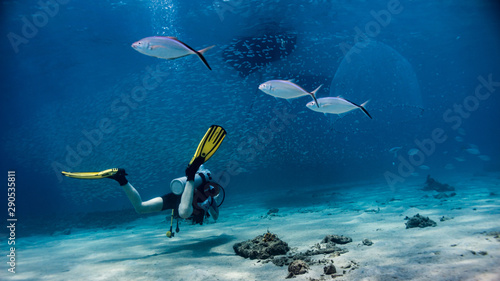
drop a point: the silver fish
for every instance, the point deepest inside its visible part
(285, 89)
(336, 105)
(168, 48)
(413, 151)
(484, 157)
(424, 167)
(473, 149)
(395, 150)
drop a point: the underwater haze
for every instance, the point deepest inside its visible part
(77, 97)
(396, 166)
(414, 61)
(61, 79)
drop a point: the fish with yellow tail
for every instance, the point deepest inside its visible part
(285, 89)
(336, 105)
(168, 48)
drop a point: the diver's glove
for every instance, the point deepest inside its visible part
(119, 176)
(207, 203)
(193, 168)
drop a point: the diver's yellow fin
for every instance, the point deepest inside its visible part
(210, 143)
(92, 175)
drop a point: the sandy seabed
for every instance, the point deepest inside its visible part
(461, 248)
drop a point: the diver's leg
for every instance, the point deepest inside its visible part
(150, 206)
(186, 206)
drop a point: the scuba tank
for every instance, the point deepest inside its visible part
(202, 176)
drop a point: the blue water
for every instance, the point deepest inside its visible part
(75, 71)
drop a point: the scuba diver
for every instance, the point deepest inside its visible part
(194, 196)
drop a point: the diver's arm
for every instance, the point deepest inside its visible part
(186, 205)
